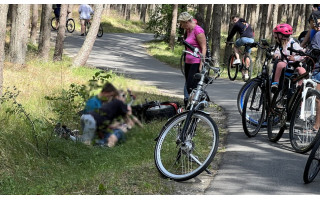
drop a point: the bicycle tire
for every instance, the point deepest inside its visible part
(275, 120)
(53, 25)
(250, 67)
(160, 112)
(70, 25)
(232, 69)
(242, 95)
(253, 110)
(312, 167)
(182, 62)
(302, 137)
(100, 31)
(171, 156)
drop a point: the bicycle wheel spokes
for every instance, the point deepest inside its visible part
(313, 165)
(184, 160)
(275, 126)
(302, 135)
(253, 110)
(70, 25)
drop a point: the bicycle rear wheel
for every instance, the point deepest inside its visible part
(302, 136)
(100, 31)
(312, 167)
(53, 23)
(253, 110)
(183, 161)
(232, 69)
(70, 25)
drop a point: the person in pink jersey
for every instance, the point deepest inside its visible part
(195, 37)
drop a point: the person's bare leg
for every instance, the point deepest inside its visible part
(112, 140)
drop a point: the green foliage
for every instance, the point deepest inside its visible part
(69, 103)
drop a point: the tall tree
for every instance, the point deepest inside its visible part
(83, 54)
(296, 14)
(216, 31)
(173, 26)
(107, 9)
(57, 56)
(208, 20)
(201, 9)
(128, 13)
(253, 19)
(228, 48)
(45, 32)
(249, 7)
(269, 21)
(34, 23)
(264, 14)
(280, 11)
(290, 13)
(70, 8)
(143, 13)
(307, 15)
(275, 18)
(19, 35)
(3, 24)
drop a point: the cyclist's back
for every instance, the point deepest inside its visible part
(241, 27)
(85, 11)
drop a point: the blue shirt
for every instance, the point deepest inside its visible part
(93, 104)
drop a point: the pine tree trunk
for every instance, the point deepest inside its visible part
(290, 13)
(128, 12)
(19, 33)
(107, 9)
(249, 7)
(70, 8)
(34, 23)
(308, 12)
(45, 32)
(275, 19)
(296, 15)
(173, 26)
(228, 48)
(216, 31)
(269, 21)
(280, 11)
(3, 26)
(302, 17)
(201, 10)
(143, 13)
(83, 54)
(253, 18)
(264, 14)
(208, 20)
(57, 56)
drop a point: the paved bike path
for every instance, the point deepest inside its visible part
(249, 165)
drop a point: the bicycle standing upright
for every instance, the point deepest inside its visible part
(245, 64)
(70, 25)
(188, 142)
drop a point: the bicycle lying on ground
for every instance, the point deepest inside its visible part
(70, 25)
(188, 142)
(246, 63)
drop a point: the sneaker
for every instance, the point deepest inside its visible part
(82, 34)
(236, 62)
(274, 87)
(246, 77)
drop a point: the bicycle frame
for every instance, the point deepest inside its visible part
(304, 94)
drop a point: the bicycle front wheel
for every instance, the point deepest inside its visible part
(182, 62)
(70, 25)
(253, 110)
(301, 133)
(312, 167)
(184, 160)
(232, 69)
(100, 31)
(242, 95)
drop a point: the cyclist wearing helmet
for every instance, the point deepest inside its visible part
(246, 36)
(282, 33)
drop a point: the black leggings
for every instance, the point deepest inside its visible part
(190, 71)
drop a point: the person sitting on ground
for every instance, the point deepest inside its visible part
(107, 93)
(246, 36)
(85, 12)
(282, 33)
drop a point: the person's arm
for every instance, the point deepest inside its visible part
(232, 33)
(201, 39)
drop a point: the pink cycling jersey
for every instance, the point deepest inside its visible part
(192, 39)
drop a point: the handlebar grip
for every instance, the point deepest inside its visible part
(188, 45)
(291, 49)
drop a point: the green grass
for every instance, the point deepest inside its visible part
(58, 166)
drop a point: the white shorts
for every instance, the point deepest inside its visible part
(89, 127)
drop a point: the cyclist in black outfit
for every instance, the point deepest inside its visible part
(246, 36)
